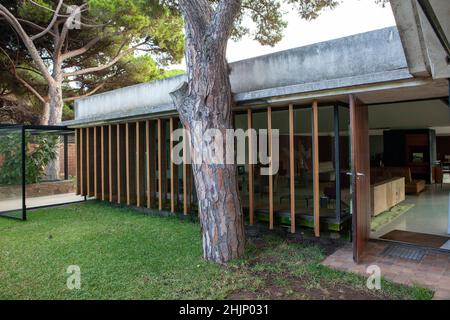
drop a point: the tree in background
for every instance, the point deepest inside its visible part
(58, 53)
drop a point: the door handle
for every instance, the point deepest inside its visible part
(358, 174)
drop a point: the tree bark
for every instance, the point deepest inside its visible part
(56, 103)
(204, 103)
(45, 112)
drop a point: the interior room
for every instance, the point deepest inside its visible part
(410, 172)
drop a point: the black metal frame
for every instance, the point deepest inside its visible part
(23, 129)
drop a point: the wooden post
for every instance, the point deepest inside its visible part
(82, 163)
(250, 168)
(292, 165)
(127, 160)
(172, 180)
(130, 143)
(316, 190)
(149, 174)
(105, 162)
(88, 164)
(119, 164)
(102, 163)
(140, 150)
(164, 180)
(269, 130)
(112, 156)
(159, 167)
(78, 159)
(121, 171)
(96, 160)
(97, 163)
(185, 146)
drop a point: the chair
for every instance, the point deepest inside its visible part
(439, 175)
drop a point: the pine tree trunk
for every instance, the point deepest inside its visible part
(56, 103)
(204, 103)
(55, 115)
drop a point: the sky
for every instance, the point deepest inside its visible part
(350, 17)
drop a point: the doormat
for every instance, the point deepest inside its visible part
(427, 240)
(404, 252)
(387, 217)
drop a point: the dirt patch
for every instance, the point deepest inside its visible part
(295, 289)
(287, 267)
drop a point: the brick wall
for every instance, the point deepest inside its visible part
(72, 159)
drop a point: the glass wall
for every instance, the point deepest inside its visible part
(281, 177)
(51, 167)
(303, 161)
(48, 174)
(11, 172)
(327, 165)
(261, 181)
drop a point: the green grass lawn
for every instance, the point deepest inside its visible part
(124, 254)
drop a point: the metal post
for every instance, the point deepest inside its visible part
(337, 163)
(24, 181)
(66, 156)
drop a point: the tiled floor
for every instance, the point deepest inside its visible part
(429, 214)
(433, 271)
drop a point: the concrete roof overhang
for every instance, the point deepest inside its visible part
(424, 50)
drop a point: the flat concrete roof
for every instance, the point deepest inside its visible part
(368, 58)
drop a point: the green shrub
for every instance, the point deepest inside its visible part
(44, 151)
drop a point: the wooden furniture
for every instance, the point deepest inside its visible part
(415, 149)
(411, 186)
(387, 194)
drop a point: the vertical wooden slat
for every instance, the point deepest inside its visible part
(78, 159)
(98, 168)
(91, 153)
(147, 162)
(140, 150)
(164, 179)
(83, 160)
(138, 169)
(112, 157)
(250, 168)
(96, 160)
(172, 171)
(130, 162)
(269, 129)
(185, 146)
(105, 163)
(291, 165)
(127, 160)
(316, 191)
(102, 163)
(121, 164)
(176, 174)
(88, 164)
(160, 198)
